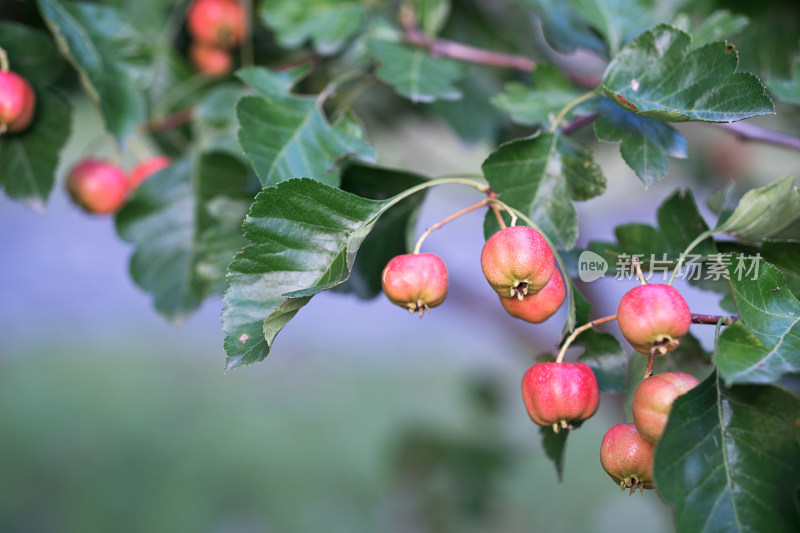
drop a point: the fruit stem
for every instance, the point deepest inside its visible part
(648, 371)
(567, 108)
(3, 60)
(714, 319)
(452, 217)
(638, 269)
(577, 331)
(700, 238)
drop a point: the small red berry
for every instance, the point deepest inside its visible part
(536, 308)
(556, 394)
(627, 458)
(97, 186)
(653, 317)
(146, 168)
(517, 261)
(415, 281)
(17, 102)
(653, 399)
(220, 23)
(210, 60)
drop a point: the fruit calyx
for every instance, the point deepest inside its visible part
(417, 282)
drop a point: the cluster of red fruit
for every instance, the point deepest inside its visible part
(17, 100)
(101, 187)
(517, 262)
(519, 265)
(216, 27)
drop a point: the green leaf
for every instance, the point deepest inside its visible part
(473, 117)
(617, 20)
(787, 90)
(658, 76)
(168, 220)
(106, 51)
(303, 236)
(528, 175)
(766, 345)
(287, 136)
(555, 446)
(414, 73)
(729, 459)
(540, 105)
(432, 14)
(328, 24)
(29, 159)
(584, 177)
(607, 359)
(719, 25)
(763, 212)
(564, 29)
(31, 53)
(645, 143)
(392, 234)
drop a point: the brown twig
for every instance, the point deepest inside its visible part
(713, 319)
(169, 122)
(751, 132)
(578, 123)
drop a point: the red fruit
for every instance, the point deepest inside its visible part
(146, 168)
(415, 281)
(210, 60)
(653, 317)
(97, 186)
(517, 261)
(17, 102)
(627, 458)
(537, 308)
(653, 399)
(219, 23)
(556, 394)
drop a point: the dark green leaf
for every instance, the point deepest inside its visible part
(303, 236)
(619, 21)
(584, 177)
(287, 136)
(767, 344)
(607, 359)
(472, 116)
(538, 105)
(528, 175)
(175, 224)
(646, 143)
(28, 160)
(414, 73)
(393, 233)
(31, 53)
(719, 25)
(328, 24)
(729, 459)
(763, 212)
(564, 29)
(555, 446)
(787, 90)
(432, 14)
(659, 76)
(106, 51)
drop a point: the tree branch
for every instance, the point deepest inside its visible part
(751, 132)
(713, 319)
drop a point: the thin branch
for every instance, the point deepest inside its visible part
(578, 123)
(751, 132)
(169, 122)
(714, 319)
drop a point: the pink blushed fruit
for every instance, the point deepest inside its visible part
(219, 23)
(556, 394)
(627, 458)
(417, 282)
(536, 308)
(652, 401)
(653, 317)
(17, 102)
(210, 60)
(146, 168)
(97, 186)
(517, 261)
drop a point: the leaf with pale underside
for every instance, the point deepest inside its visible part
(414, 73)
(286, 135)
(107, 53)
(659, 76)
(719, 25)
(764, 212)
(537, 105)
(327, 24)
(787, 90)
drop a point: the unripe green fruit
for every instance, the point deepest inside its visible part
(415, 281)
(536, 308)
(97, 186)
(653, 317)
(653, 399)
(517, 261)
(556, 394)
(627, 457)
(17, 102)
